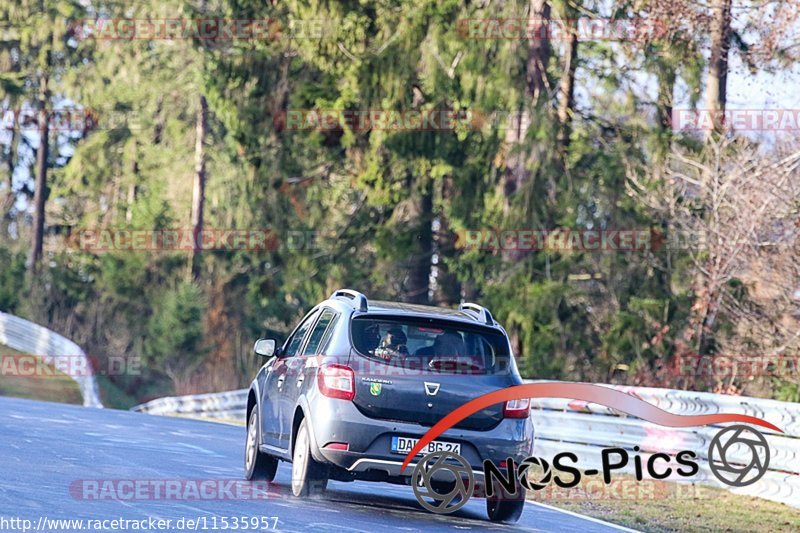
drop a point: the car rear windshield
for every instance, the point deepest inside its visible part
(431, 345)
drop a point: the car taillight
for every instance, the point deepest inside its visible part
(337, 381)
(517, 408)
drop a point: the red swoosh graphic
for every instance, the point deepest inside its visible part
(580, 391)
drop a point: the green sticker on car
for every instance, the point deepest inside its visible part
(375, 388)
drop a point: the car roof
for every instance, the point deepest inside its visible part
(382, 307)
(400, 308)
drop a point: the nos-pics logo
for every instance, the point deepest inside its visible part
(444, 481)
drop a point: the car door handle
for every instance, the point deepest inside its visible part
(281, 380)
(300, 380)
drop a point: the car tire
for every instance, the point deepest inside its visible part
(309, 477)
(507, 510)
(257, 465)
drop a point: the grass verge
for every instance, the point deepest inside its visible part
(53, 386)
(660, 506)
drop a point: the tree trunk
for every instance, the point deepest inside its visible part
(10, 198)
(40, 184)
(566, 90)
(535, 87)
(538, 50)
(666, 87)
(199, 190)
(419, 270)
(716, 87)
(133, 188)
(446, 288)
(132, 191)
(12, 152)
(516, 132)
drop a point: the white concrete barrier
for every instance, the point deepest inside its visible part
(25, 336)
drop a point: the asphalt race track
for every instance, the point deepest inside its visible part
(47, 448)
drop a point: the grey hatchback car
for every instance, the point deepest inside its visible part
(358, 382)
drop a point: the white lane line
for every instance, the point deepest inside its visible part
(589, 518)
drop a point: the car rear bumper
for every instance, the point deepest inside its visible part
(392, 468)
(369, 440)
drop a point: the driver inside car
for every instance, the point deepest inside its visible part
(393, 345)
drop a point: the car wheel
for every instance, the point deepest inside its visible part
(257, 465)
(502, 509)
(308, 476)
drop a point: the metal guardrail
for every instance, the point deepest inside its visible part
(229, 405)
(25, 336)
(585, 428)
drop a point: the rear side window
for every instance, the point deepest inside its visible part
(320, 333)
(431, 345)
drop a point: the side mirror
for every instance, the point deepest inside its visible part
(265, 347)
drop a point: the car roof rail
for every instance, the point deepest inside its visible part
(358, 299)
(481, 313)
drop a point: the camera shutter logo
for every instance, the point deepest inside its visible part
(450, 474)
(738, 455)
(544, 479)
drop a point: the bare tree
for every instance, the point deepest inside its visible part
(733, 210)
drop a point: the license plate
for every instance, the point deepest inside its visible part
(404, 445)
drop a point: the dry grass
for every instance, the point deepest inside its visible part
(55, 387)
(660, 506)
